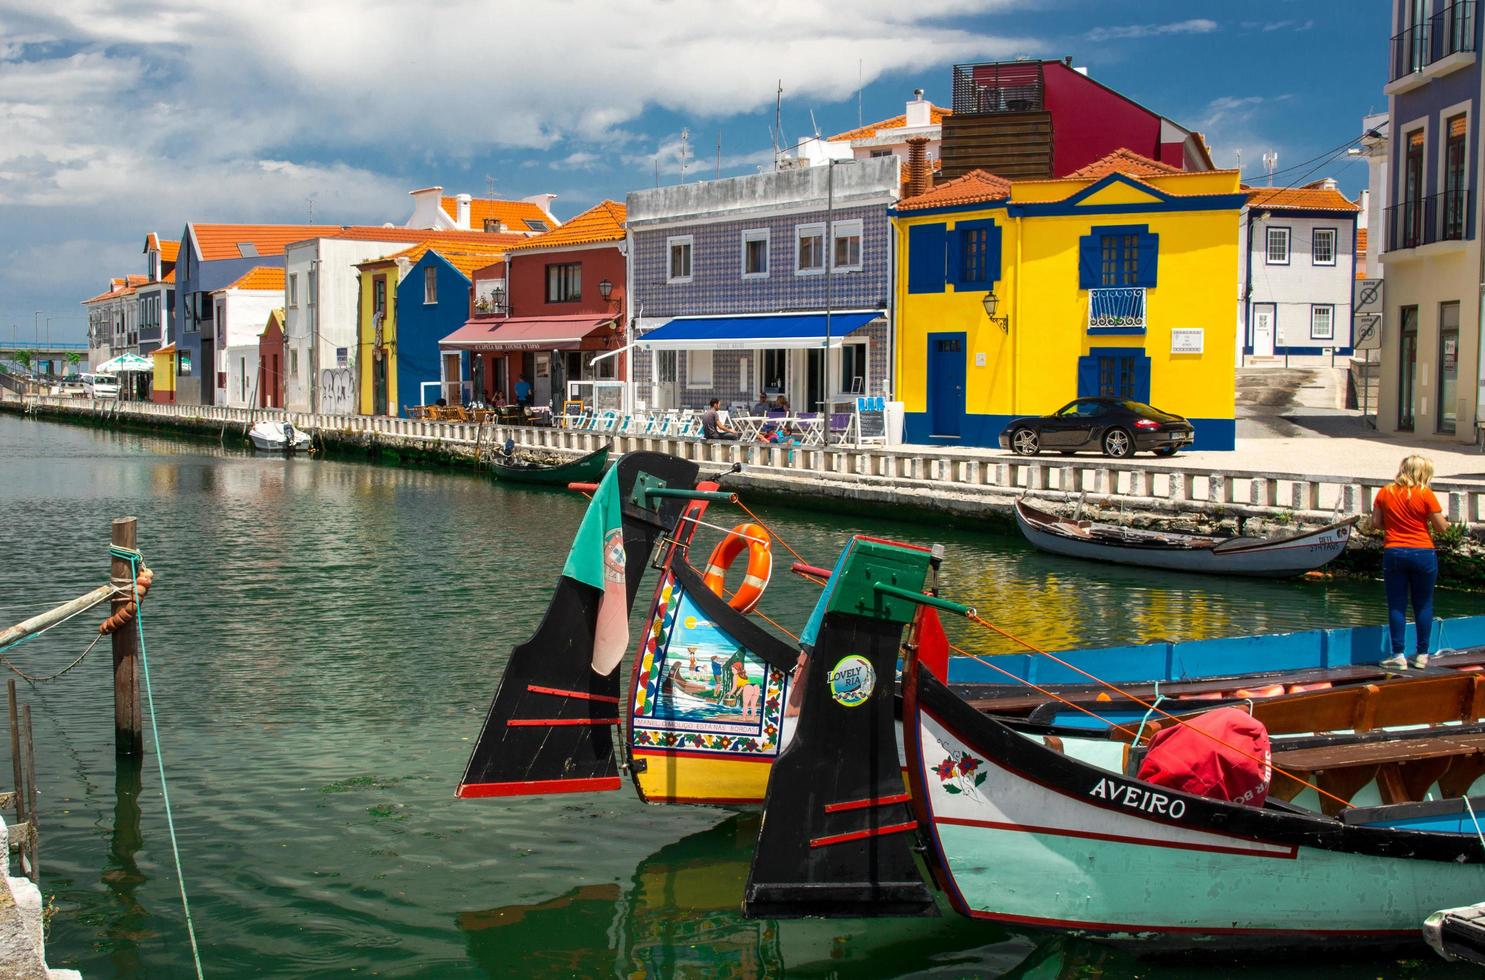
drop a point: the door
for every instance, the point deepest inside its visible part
(542, 386)
(1263, 330)
(1407, 367)
(208, 372)
(379, 382)
(1448, 367)
(946, 379)
(452, 376)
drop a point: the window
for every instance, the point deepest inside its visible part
(1322, 323)
(293, 362)
(846, 240)
(755, 253)
(775, 370)
(1322, 246)
(184, 362)
(698, 369)
(293, 289)
(564, 282)
(1118, 260)
(853, 368)
(809, 249)
(1411, 232)
(878, 154)
(665, 364)
(430, 285)
(311, 286)
(1456, 150)
(342, 356)
(679, 251)
(1407, 367)
(379, 296)
(1276, 242)
(975, 265)
(536, 224)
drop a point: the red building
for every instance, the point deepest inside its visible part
(1040, 119)
(552, 314)
(271, 362)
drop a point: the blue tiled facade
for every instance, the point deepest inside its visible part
(718, 217)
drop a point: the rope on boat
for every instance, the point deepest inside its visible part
(776, 536)
(135, 559)
(1474, 819)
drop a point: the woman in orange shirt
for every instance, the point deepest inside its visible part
(1405, 509)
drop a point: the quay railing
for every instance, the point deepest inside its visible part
(926, 471)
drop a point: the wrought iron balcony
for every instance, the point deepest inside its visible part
(998, 87)
(1443, 217)
(1450, 31)
(1116, 309)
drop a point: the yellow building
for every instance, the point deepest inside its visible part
(163, 389)
(1116, 281)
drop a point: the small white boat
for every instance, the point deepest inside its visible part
(1293, 554)
(279, 437)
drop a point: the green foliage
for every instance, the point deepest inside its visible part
(24, 358)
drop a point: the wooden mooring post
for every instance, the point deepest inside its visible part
(127, 718)
(23, 836)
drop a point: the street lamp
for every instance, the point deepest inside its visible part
(991, 302)
(605, 289)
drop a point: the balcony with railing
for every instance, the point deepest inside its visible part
(998, 87)
(1116, 309)
(1451, 31)
(1444, 217)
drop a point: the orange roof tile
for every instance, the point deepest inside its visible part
(151, 242)
(118, 286)
(266, 277)
(1300, 199)
(464, 257)
(515, 215)
(1123, 161)
(168, 250)
(935, 116)
(1360, 240)
(603, 222)
(972, 188)
(221, 241)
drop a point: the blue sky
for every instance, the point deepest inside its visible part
(129, 116)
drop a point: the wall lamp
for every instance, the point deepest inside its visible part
(991, 303)
(605, 289)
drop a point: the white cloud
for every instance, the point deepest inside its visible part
(121, 116)
(1196, 25)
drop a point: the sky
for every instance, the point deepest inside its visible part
(121, 118)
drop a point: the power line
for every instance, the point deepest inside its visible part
(1326, 154)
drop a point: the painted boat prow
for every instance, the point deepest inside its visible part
(551, 722)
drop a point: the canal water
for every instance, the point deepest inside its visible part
(324, 638)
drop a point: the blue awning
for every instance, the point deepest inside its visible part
(772, 331)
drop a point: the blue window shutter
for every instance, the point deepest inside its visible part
(956, 258)
(1087, 377)
(992, 247)
(1089, 261)
(926, 245)
(1149, 249)
(1141, 378)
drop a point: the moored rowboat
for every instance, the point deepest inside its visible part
(584, 469)
(1269, 557)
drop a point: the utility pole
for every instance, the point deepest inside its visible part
(685, 145)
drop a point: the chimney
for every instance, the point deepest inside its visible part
(427, 208)
(918, 113)
(461, 216)
(919, 176)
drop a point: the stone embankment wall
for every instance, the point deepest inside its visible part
(22, 943)
(905, 481)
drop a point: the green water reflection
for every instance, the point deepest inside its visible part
(324, 640)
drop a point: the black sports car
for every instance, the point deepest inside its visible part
(1114, 426)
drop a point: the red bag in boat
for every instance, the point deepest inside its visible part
(1234, 764)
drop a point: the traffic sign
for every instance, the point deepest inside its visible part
(1368, 331)
(1366, 296)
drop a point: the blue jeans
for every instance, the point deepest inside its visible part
(1409, 573)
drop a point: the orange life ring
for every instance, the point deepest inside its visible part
(756, 541)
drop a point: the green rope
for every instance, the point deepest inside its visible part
(133, 557)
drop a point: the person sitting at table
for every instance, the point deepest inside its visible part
(760, 407)
(781, 404)
(712, 426)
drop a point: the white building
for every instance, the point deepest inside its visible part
(1370, 239)
(240, 311)
(434, 211)
(1297, 263)
(887, 138)
(113, 319)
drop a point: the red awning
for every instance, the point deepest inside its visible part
(579, 332)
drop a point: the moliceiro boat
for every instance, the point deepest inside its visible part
(513, 467)
(1292, 554)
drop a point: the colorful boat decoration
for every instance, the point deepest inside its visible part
(1292, 554)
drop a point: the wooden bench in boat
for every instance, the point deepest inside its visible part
(1403, 767)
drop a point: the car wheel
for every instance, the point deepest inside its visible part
(1118, 443)
(1025, 442)
(1166, 451)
